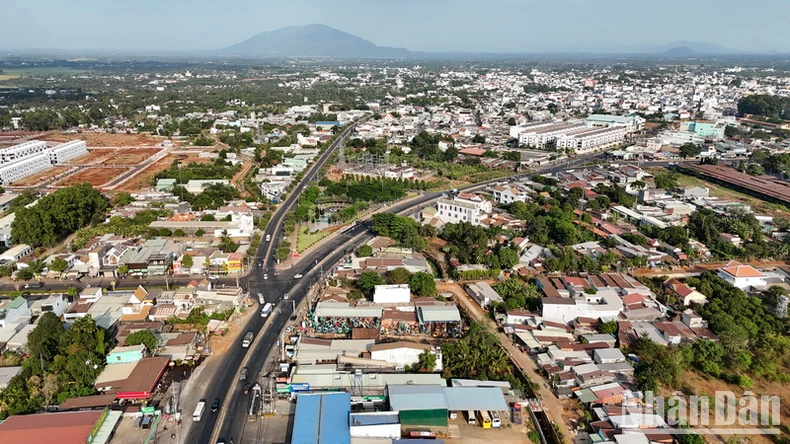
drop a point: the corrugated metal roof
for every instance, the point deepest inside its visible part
(417, 397)
(475, 398)
(439, 313)
(322, 419)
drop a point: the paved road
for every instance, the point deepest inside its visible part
(225, 385)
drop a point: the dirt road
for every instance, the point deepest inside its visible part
(551, 404)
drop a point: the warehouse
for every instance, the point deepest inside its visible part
(322, 419)
(430, 405)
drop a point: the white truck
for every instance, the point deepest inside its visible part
(267, 309)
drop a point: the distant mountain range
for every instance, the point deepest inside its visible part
(325, 41)
(311, 41)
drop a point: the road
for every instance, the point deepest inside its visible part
(225, 385)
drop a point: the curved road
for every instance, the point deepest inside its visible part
(226, 385)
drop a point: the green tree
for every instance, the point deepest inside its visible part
(426, 362)
(123, 270)
(145, 337)
(755, 169)
(689, 150)
(666, 180)
(199, 232)
(479, 138)
(609, 328)
(422, 284)
(25, 274)
(774, 293)
(44, 340)
(367, 281)
(365, 251)
(59, 265)
(187, 261)
(399, 275)
(122, 199)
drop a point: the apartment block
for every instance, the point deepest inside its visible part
(12, 172)
(591, 139)
(22, 151)
(67, 151)
(540, 137)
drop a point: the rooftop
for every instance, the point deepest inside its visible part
(48, 428)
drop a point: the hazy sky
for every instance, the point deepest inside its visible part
(426, 25)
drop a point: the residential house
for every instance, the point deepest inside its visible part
(14, 311)
(483, 293)
(126, 354)
(686, 294)
(742, 276)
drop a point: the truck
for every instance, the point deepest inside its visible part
(267, 309)
(247, 341)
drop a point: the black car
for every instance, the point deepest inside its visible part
(247, 388)
(215, 405)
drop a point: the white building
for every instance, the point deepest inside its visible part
(15, 253)
(22, 151)
(509, 193)
(591, 139)
(67, 151)
(742, 276)
(465, 207)
(13, 311)
(483, 293)
(515, 131)
(404, 353)
(392, 294)
(631, 124)
(605, 304)
(12, 172)
(540, 137)
(197, 186)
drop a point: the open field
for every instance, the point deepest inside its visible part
(303, 240)
(14, 73)
(93, 176)
(144, 178)
(35, 179)
(106, 139)
(110, 156)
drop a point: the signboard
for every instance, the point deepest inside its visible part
(300, 387)
(148, 410)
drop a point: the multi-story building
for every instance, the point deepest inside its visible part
(632, 123)
(704, 129)
(67, 151)
(591, 139)
(22, 151)
(509, 193)
(465, 207)
(12, 172)
(540, 137)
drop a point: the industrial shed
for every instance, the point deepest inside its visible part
(322, 419)
(419, 405)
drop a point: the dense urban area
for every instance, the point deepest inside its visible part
(359, 251)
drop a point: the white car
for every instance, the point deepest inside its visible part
(265, 276)
(297, 275)
(289, 329)
(268, 237)
(286, 296)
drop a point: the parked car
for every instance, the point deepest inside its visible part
(289, 329)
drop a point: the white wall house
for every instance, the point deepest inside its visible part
(12, 311)
(392, 294)
(509, 193)
(404, 353)
(463, 208)
(605, 304)
(742, 276)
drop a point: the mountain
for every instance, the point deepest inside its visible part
(680, 51)
(311, 41)
(696, 48)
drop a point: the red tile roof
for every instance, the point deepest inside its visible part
(48, 428)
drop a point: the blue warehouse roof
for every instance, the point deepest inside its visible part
(322, 419)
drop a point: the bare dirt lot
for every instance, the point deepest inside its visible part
(106, 139)
(144, 178)
(93, 176)
(35, 179)
(121, 156)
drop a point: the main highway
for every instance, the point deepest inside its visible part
(230, 422)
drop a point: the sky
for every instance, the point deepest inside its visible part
(420, 25)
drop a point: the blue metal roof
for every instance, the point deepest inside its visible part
(322, 419)
(328, 122)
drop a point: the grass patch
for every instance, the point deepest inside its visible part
(305, 240)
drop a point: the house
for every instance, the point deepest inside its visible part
(608, 356)
(392, 294)
(56, 303)
(483, 293)
(179, 346)
(732, 239)
(126, 354)
(509, 193)
(14, 311)
(16, 253)
(684, 293)
(404, 353)
(742, 276)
